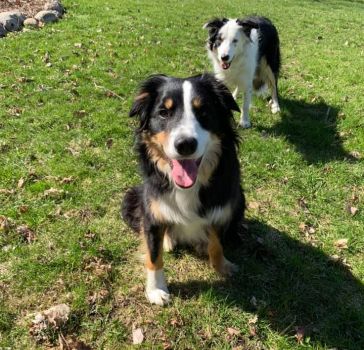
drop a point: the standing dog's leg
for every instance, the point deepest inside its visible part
(272, 81)
(168, 242)
(216, 255)
(235, 93)
(156, 288)
(244, 120)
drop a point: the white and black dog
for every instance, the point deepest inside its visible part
(187, 148)
(246, 56)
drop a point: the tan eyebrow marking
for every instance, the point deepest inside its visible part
(196, 102)
(168, 103)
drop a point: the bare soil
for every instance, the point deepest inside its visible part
(27, 7)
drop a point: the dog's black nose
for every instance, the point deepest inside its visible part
(186, 146)
(225, 58)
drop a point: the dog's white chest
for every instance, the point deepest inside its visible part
(181, 208)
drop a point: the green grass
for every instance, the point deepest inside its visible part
(300, 167)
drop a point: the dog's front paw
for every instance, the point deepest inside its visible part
(227, 268)
(275, 108)
(158, 296)
(245, 124)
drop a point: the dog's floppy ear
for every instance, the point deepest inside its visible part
(213, 27)
(227, 98)
(215, 24)
(222, 93)
(247, 26)
(144, 101)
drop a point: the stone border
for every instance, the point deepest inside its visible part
(12, 21)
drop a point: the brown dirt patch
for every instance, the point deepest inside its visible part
(27, 7)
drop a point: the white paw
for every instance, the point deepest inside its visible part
(158, 296)
(245, 124)
(168, 243)
(275, 108)
(229, 268)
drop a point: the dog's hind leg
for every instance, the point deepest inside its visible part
(244, 119)
(272, 81)
(168, 242)
(235, 93)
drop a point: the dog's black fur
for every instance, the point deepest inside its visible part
(215, 116)
(268, 41)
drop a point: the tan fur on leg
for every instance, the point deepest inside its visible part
(216, 255)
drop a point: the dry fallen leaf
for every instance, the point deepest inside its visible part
(340, 260)
(71, 214)
(50, 319)
(138, 335)
(57, 315)
(4, 224)
(27, 234)
(98, 268)
(355, 154)
(81, 113)
(252, 328)
(352, 210)
(109, 143)
(23, 209)
(253, 205)
(253, 320)
(341, 243)
(67, 180)
(21, 183)
(307, 229)
(233, 331)
(98, 297)
(90, 235)
(53, 193)
(6, 191)
(303, 204)
(73, 151)
(300, 334)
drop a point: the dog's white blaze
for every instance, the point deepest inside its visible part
(229, 32)
(156, 288)
(188, 127)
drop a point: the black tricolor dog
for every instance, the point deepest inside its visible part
(191, 193)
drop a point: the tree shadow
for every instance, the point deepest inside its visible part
(311, 128)
(293, 285)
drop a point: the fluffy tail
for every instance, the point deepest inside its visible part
(131, 208)
(260, 88)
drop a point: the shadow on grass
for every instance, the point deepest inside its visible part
(294, 285)
(312, 129)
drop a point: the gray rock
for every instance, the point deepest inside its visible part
(2, 30)
(31, 23)
(12, 20)
(47, 16)
(54, 5)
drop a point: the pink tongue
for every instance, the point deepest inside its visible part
(184, 172)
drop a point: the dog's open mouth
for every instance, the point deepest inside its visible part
(185, 171)
(225, 65)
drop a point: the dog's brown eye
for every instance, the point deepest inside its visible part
(164, 113)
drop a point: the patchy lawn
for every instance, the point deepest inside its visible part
(67, 158)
